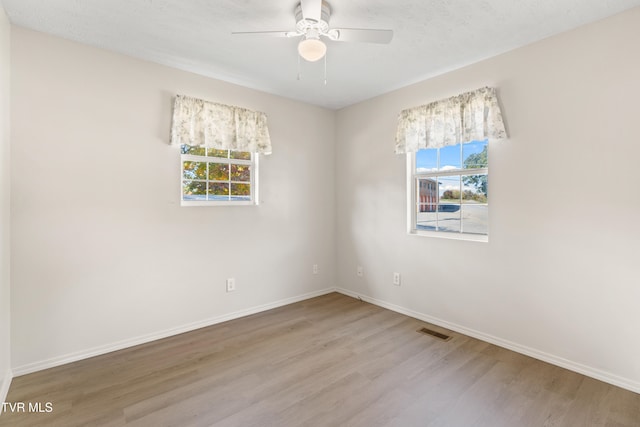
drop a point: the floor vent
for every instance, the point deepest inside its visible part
(438, 335)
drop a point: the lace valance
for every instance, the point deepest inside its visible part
(207, 124)
(467, 117)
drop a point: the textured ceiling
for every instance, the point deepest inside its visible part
(430, 37)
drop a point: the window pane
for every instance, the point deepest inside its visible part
(240, 190)
(427, 190)
(242, 155)
(475, 154)
(427, 160)
(475, 218)
(218, 171)
(449, 217)
(212, 152)
(240, 173)
(194, 190)
(218, 190)
(194, 170)
(452, 203)
(449, 189)
(449, 208)
(450, 157)
(208, 179)
(426, 217)
(428, 207)
(194, 151)
(475, 189)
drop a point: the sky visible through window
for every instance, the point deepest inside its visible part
(427, 160)
(450, 158)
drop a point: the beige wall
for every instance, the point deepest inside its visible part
(5, 189)
(103, 255)
(559, 277)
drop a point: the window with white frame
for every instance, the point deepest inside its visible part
(449, 190)
(218, 177)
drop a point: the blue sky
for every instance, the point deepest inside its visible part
(426, 160)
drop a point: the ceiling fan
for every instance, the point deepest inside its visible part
(312, 23)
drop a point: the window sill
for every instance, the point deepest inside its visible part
(216, 203)
(452, 236)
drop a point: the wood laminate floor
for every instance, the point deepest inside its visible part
(327, 361)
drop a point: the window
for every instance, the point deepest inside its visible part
(218, 177)
(449, 191)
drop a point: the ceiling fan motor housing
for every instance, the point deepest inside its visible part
(303, 25)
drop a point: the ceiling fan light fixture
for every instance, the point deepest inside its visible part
(312, 49)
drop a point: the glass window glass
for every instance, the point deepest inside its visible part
(475, 154)
(194, 170)
(446, 198)
(475, 189)
(427, 160)
(240, 155)
(450, 157)
(241, 173)
(475, 219)
(240, 189)
(218, 171)
(449, 189)
(218, 189)
(194, 151)
(427, 217)
(193, 190)
(449, 217)
(212, 152)
(217, 176)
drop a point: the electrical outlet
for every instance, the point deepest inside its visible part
(315, 269)
(231, 284)
(360, 271)
(396, 279)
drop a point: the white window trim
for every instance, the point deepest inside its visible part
(254, 162)
(412, 214)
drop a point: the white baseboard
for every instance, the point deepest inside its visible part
(97, 351)
(546, 357)
(4, 387)
(589, 371)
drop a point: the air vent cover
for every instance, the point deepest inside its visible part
(438, 335)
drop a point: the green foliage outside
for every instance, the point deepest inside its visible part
(475, 161)
(220, 176)
(454, 196)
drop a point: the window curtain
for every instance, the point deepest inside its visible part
(467, 117)
(207, 124)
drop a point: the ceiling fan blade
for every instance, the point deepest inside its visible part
(267, 33)
(311, 9)
(360, 35)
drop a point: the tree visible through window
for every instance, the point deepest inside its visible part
(450, 187)
(211, 176)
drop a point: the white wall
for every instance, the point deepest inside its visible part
(5, 189)
(102, 253)
(559, 277)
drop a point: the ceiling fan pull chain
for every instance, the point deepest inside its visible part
(325, 70)
(298, 67)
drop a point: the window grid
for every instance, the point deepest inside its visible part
(450, 200)
(237, 192)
